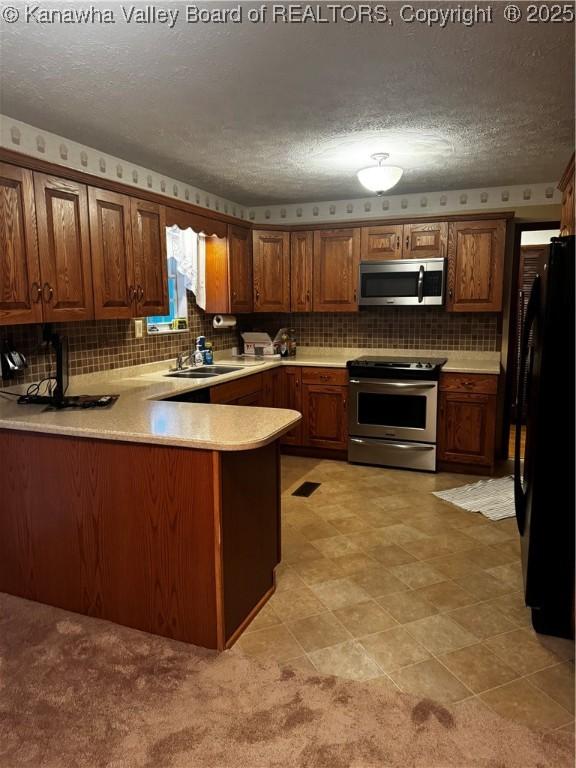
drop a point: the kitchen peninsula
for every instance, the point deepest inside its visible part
(163, 516)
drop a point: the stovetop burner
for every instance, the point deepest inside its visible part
(395, 367)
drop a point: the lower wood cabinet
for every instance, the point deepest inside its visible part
(244, 391)
(467, 420)
(293, 401)
(325, 416)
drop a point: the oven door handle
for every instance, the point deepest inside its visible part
(396, 384)
(403, 446)
(421, 284)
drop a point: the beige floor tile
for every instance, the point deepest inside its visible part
(399, 533)
(266, 618)
(275, 643)
(315, 571)
(331, 510)
(367, 540)
(391, 555)
(377, 581)
(446, 595)
(431, 680)
(406, 606)
(562, 648)
(318, 631)
(482, 619)
(489, 556)
(300, 664)
(489, 534)
(336, 546)
(348, 660)
(511, 573)
(521, 702)
(352, 524)
(512, 606)
(294, 552)
(509, 550)
(557, 682)
(365, 618)
(319, 530)
(395, 501)
(478, 667)
(375, 517)
(483, 585)
(457, 565)
(354, 563)
(339, 593)
(295, 604)
(288, 579)
(522, 651)
(417, 574)
(439, 634)
(394, 648)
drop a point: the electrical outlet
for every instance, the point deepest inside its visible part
(138, 328)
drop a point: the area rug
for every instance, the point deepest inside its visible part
(77, 692)
(494, 498)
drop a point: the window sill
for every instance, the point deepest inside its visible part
(163, 332)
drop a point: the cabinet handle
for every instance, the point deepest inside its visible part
(450, 293)
(397, 242)
(50, 293)
(257, 294)
(140, 293)
(407, 242)
(38, 290)
(132, 294)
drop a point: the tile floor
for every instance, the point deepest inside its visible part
(381, 581)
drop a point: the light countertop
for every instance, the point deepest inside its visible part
(141, 414)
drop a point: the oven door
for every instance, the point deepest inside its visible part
(404, 282)
(393, 410)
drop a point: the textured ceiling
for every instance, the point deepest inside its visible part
(288, 112)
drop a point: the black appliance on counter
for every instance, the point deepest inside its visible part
(544, 486)
(392, 411)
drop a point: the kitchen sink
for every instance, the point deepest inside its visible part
(204, 372)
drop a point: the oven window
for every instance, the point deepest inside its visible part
(392, 410)
(389, 284)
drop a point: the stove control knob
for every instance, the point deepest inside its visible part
(428, 365)
(418, 365)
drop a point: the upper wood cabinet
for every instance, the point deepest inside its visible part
(425, 241)
(240, 269)
(381, 243)
(64, 248)
(20, 281)
(476, 265)
(336, 258)
(271, 264)
(301, 249)
(566, 185)
(112, 254)
(150, 265)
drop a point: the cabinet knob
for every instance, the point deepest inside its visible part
(37, 292)
(132, 294)
(140, 293)
(450, 293)
(47, 287)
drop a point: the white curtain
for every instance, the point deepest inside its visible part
(188, 249)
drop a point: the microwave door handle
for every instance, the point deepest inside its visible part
(421, 284)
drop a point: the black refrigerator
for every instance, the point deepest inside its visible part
(544, 482)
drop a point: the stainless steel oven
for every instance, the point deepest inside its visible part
(393, 412)
(402, 282)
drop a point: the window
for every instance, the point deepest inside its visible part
(178, 304)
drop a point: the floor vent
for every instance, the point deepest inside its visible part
(306, 489)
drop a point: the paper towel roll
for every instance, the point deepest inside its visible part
(224, 321)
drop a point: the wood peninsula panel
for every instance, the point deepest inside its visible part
(301, 267)
(20, 282)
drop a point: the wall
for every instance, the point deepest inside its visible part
(405, 328)
(101, 345)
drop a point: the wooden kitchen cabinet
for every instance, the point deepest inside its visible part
(324, 410)
(566, 186)
(336, 258)
(112, 254)
(244, 391)
(475, 265)
(301, 268)
(64, 248)
(240, 269)
(381, 243)
(271, 270)
(150, 265)
(20, 281)
(425, 241)
(293, 401)
(273, 388)
(467, 421)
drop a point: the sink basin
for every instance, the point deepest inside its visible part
(204, 372)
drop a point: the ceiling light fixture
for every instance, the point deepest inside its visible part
(379, 178)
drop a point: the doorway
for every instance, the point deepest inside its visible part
(530, 245)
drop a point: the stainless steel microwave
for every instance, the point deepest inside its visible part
(402, 282)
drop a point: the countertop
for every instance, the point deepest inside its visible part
(142, 415)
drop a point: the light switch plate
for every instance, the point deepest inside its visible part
(138, 328)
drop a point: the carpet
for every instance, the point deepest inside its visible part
(494, 498)
(77, 692)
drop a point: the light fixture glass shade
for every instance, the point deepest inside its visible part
(379, 178)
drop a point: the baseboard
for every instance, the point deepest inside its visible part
(315, 453)
(464, 469)
(251, 616)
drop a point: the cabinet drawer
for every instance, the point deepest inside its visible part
(234, 390)
(335, 376)
(477, 383)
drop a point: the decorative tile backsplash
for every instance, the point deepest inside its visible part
(105, 344)
(398, 328)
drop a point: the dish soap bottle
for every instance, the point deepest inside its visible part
(208, 355)
(198, 356)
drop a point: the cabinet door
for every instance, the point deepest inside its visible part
(20, 288)
(64, 248)
(381, 243)
(476, 266)
(112, 257)
(336, 259)
(425, 241)
(293, 401)
(273, 388)
(240, 262)
(466, 428)
(301, 244)
(271, 264)
(324, 411)
(150, 266)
